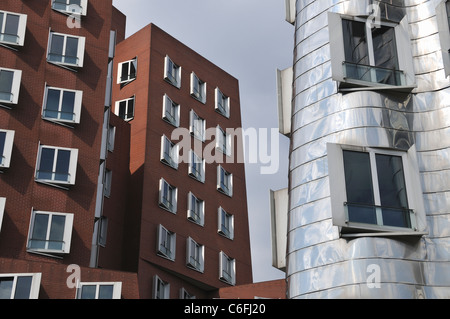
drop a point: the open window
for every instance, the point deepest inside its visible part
(197, 126)
(66, 50)
(443, 19)
(6, 147)
(368, 55)
(196, 209)
(161, 288)
(166, 243)
(227, 272)
(172, 72)
(12, 28)
(198, 88)
(56, 165)
(20, 286)
(171, 111)
(62, 105)
(224, 181)
(222, 103)
(223, 141)
(225, 223)
(99, 290)
(168, 195)
(195, 255)
(125, 109)
(375, 191)
(197, 167)
(78, 7)
(9, 86)
(50, 233)
(127, 71)
(169, 152)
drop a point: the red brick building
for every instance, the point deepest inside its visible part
(94, 201)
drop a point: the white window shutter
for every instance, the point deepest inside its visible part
(7, 151)
(68, 233)
(162, 183)
(2, 210)
(175, 200)
(78, 106)
(84, 6)
(16, 86)
(219, 170)
(73, 166)
(35, 285)
(119, 73)
(230, 193)
(22, 28)
(117, 290)
(231, 227)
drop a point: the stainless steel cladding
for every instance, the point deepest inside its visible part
(369, 196)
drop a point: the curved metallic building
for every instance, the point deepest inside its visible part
(369, 193)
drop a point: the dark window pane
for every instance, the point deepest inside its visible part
(385, 51)
(56, 48)
(2, 15)
(71, 50)
(391, 180)
(6, 284)
(23, 287)
(358, 178)
(355, 42)
(125, 71)
(105, 292)
(12, 24)
(2, 145)
(362, 214)
(57, 232)
(130, 111)
(62, 166)
(396, 217)
(52, 106)
(6, 80)
(67, 106)
(39, 235)
(122, 109)
(88, 292)
(46, 164)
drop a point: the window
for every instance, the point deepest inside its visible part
(195, 255)
(56, 165)
(66, 50)
(225, 223)
(443, 21)
(168, 196)
(169, 152)
(108, 183)
(50, 232)
(198, 88)
(161, 289)
(223, 141)
(185, 295)
(197, 126)
(196, 209)
(367, 55)
(103, 232)
(12, 28)
(62, 105)
(6, 147)
(166, 243)
(78, 7)
(125, 109)
(224, 181)
(171, 111)
(172, 72)
(227, 269)
(99, 290)
(111, 138)
(10, 85)
(2, 210)
(20, 286)
(375, 190)
(127, 71)
(222, 103)
(197, 167)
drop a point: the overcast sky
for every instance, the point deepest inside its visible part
(250, 40)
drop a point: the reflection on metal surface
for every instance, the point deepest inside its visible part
(320, 261)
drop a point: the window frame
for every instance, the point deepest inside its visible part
(404, 55)
(169, 67)
(225, 109)
(191, 211)
(194, 120)
(21, 29)
(83, 12)
(117, 108)
(194, 161)
(77, 105)
(197, 264)
(169, 104)
(223, 141)
(168, 252)
(158, 282)
(338, 191)
(173, 159)
(200, 94)
(35, 283)
(231, 264)
(221, 228)
(117, 289)
(72, 170)
(129, 79)
(15, 86)
(184, 294)
(172, 208)
(5, 158)
(80, 50)
(2, 210)
(229, 189)
(67, 235)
